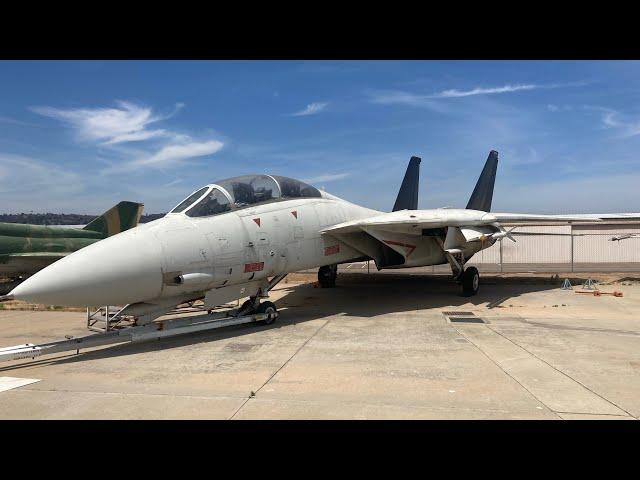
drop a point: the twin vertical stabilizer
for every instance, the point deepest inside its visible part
(408, 195)
(483, 192)
(480, 198)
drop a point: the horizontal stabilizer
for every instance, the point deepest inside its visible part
(408, 195)
(483, 191)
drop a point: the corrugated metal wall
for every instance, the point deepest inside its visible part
(566, 247)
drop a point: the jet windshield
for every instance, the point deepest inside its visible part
(241, 192)
(189, 200)
(213, 203)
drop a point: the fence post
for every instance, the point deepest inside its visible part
(571, 225)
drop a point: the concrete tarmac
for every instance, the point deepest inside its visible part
(374, 347)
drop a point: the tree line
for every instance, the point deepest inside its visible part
(61, 218)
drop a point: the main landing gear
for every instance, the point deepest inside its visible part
(327, 276)
(468, 277)
(470, 280)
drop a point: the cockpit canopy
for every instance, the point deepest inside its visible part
(240, 192)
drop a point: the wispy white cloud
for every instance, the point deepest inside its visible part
(173, 182)
(311, 109)
(453, 93)
(625, 125)
(127, 122)
(114, 127)
(389, 97)
(169, 156)
(331, 177)
(397, 97)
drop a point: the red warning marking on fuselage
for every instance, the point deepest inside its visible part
(332, 250)
(253, 267)
(257, 220)
(410, 248)
(294, 213)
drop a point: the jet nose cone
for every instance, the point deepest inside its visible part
(125, 268)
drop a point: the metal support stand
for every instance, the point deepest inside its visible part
(132, 334)
(107, 318)
(114, 326)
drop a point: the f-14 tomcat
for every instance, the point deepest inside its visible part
(236, 238)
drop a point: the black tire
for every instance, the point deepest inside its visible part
(470, 282)
(267, 307)
(327, 276)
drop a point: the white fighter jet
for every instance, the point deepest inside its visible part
(238, 237)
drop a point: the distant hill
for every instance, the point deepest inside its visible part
(61, 218)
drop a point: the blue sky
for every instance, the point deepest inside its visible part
(78, 136)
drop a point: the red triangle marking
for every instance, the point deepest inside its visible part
(257, 220)
(294, 213)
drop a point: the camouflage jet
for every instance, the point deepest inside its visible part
(26, 249)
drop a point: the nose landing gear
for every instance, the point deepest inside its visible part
(253, 305)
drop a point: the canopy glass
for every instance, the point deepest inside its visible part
(241, 192)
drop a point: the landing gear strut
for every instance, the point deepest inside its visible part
(468, 277)
(327, 276)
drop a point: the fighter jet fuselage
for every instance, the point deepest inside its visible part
(232, 238)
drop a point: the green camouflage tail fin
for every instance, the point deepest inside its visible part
(123, 216)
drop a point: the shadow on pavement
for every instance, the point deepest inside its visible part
(356, 294)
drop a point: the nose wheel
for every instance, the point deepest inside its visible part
(253, 306)
(268, 308)
(470, 281)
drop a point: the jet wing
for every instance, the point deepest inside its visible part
(405, 237)
(401, 237)
(413, 222)
(533, 219)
